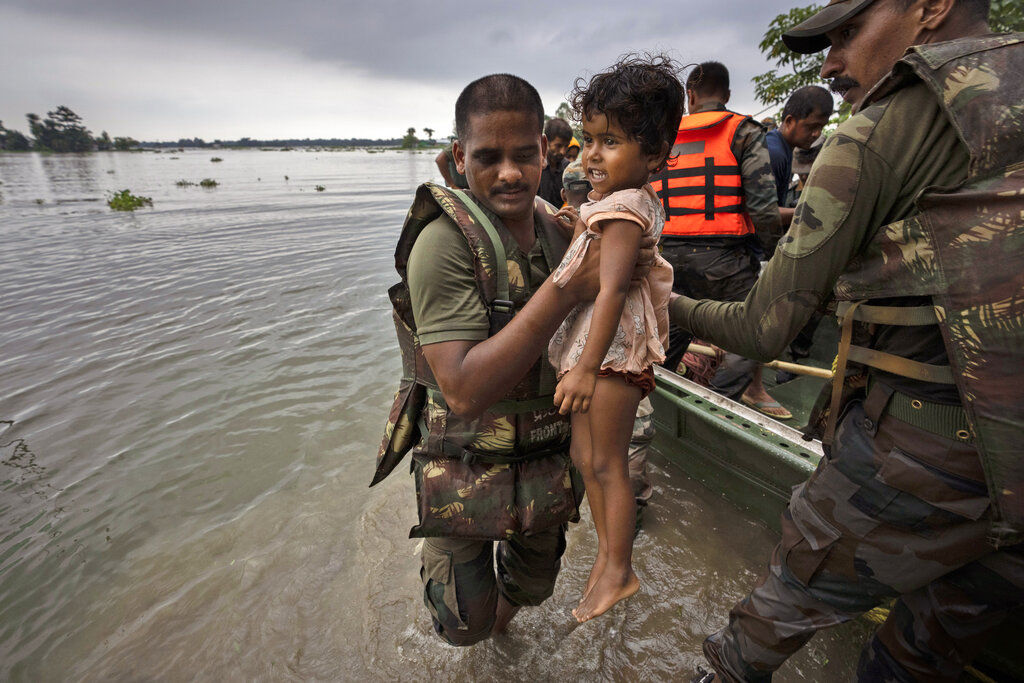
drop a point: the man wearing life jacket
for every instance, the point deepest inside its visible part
(720, 210)
(474, 314)
(913, 218)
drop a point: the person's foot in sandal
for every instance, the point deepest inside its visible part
(763, 403)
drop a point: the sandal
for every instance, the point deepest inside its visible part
(764, 406)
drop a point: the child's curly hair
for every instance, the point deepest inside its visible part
(641, 93)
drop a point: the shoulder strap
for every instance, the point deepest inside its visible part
(500, 258)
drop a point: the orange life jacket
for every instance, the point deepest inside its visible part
(701, 188)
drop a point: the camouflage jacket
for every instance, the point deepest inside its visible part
(879, 171)
(965, 249)
(507, 471)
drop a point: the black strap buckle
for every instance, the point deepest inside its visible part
(502, 311)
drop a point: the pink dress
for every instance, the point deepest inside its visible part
(643, 328)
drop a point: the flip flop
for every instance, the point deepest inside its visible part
(762, 406)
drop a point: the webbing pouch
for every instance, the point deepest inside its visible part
(493, 501)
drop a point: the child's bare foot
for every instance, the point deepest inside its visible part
(595, 574)
(606, 592)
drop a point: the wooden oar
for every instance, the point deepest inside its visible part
(821, 373)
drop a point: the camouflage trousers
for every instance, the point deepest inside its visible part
(639, 445)
(895, 512)
(460, 587)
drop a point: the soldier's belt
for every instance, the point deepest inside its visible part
(508, 407)
(947, 421)
(450, 450)
(848, 311)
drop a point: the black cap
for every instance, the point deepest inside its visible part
(809, 36)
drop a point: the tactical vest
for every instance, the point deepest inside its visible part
(965, 249)
(701, 188)
(507, 471)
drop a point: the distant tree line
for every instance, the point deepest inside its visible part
(291, 142)
(61, 131)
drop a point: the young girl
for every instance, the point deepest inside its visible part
(603, 351)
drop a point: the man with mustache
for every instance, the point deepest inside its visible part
(474, 313)
(912, 218)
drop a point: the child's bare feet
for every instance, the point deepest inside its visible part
(606, 592)
(595, 574)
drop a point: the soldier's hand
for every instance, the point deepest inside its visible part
(645, 259)
(586, 281)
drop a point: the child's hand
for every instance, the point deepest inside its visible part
(575, 390)
(569, 220)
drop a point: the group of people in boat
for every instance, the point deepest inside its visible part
(528, 332)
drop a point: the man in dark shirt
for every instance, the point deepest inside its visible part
(803, 118)
(558, 134)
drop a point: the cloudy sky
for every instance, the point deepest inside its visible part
(165, 69)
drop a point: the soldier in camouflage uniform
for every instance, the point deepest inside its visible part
(474, 313)
(912, 217)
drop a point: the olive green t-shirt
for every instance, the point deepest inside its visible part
(446, 301)
(868, 174)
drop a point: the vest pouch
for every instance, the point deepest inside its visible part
(464, 499)
(402, 431)
(548, 493)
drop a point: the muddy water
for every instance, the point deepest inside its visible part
(192, 396)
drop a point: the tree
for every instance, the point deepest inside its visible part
(410, 141)
(104, 143)
(794, 70)
(16, 141)
(565, 112)
(60, 131)
(430, 133)
(1006, 16)
(12, 140)
(124, 144)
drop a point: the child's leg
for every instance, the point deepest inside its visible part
(581, 453)
(611, 425)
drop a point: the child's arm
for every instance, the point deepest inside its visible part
(620, 244)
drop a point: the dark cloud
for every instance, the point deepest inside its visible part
(451, 42)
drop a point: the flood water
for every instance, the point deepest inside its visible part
(191, 399)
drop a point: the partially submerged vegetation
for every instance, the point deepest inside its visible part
(126, 201)
(205, 182)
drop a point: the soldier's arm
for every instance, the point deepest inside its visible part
(442, 166)
(849, 191)
(759, 193)
(472, 370)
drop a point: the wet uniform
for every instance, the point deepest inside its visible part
(460, 584)
(900, 507)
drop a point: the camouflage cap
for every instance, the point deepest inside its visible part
(808, 36)
(574, 179)
(803, 159)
